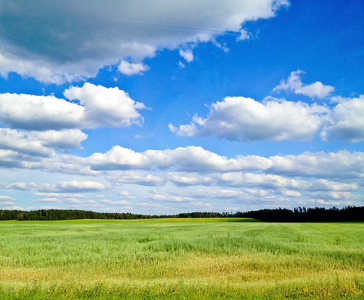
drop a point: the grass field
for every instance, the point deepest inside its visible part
(181, 259)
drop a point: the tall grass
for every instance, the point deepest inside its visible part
(181, 259)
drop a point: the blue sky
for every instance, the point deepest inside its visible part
(154, 108)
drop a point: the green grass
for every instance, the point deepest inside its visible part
(181, 259)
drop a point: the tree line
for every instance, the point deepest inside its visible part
(299, 214)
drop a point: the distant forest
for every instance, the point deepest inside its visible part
(299, 214)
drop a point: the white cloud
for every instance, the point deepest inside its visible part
(294, 83)
(119, 158)
(125, 194)
(20, 186)
(188, 179)
(56, 49)
(130, 69)
(135, 177)
(346, 121)
(32, 112)
(57, 194)
(169, 198)
(219, 194)
(240, 118)
(326, 185)
(261, 180)
(243, 35)
(331, 202)
(6, 199)
(48, 200)
(122, 202)
(73, 186)
(334, 195)
(188, 159)
(99, 106)
(189, 166)
(64, 139)
(338, 165)
(187, 55)
(35, 143)
(105, 106)
(23, 143)
(181, 65)
(245, 119)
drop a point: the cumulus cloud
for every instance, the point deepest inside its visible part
(195, 165)
(99, 106)
(36, 143)
(341, 164)
(130, 69)
(188, 159)
(105, 106)
(346, 121)
(55, 48)
(294, 83)
(32, 112)
(244, 119)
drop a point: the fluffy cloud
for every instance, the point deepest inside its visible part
(40, 143)
(119, 158)
(341, 164)
(240, 118)
(188, 159)
(55, 48)
(191, 166)
(129, 69)
(262, 180)
(294, 83)
(32, 112)
(105, 106)
(100, 106)
(245, 119)
(346, 121)
(188, 179)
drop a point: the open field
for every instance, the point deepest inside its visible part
(181, 259)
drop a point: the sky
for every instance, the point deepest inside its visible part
(164, 107)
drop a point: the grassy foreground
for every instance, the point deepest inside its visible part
(181, 259)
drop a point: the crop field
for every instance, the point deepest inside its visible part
(181, 259)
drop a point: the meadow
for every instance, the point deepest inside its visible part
(222, 258)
